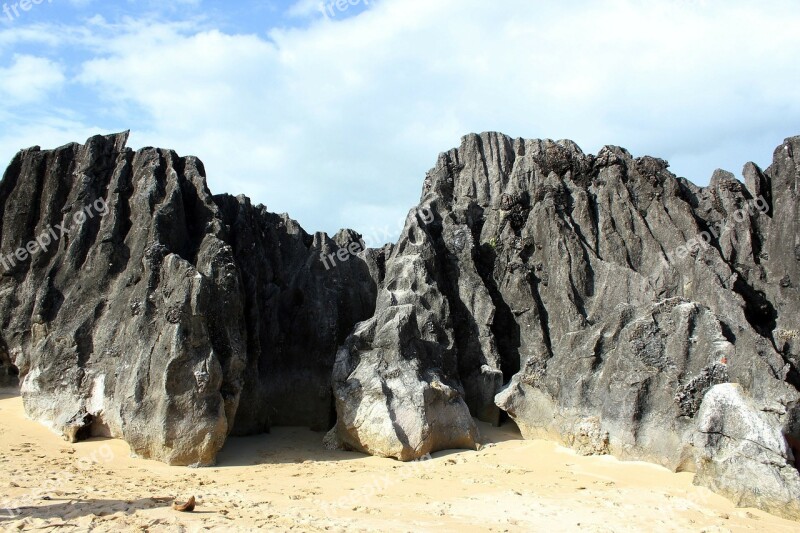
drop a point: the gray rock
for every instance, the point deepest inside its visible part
(396, 378)
(297, 314)
(619, 294)
(596, 299)
(9, 373)
(110, 323)
(742, 453)
(154, 318)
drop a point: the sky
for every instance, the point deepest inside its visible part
(333, 112)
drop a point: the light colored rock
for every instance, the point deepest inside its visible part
(742, 453)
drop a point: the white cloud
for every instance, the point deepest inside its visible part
(337, 122)
(304, 8)
(29, 79)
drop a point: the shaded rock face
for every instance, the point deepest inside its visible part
(599, 300)
(9, 373)
(154, 316)
(595, 299)
(297, 314)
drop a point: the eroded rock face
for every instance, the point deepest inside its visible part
(599, 300)
(128, 322)
(297, 314)
(396, 378)
(743, 454)
(640, 377)
(161, 308)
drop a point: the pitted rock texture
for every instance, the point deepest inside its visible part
(597, 299)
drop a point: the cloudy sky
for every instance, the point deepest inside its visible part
(334, 115)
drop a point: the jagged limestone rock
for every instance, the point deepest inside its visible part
(160, 308)
(396, 378)
(621, 293)
(597, 299)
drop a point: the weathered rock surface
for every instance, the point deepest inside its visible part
(396, 378)
(126, 324)
(599, 300)
(297, 314)
(743, 454)
(156, 315)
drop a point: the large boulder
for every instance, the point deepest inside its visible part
(743, 454)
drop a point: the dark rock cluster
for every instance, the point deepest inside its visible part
(599, 300)
(170, 318)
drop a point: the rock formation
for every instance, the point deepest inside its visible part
(599, 300)
(161, 308)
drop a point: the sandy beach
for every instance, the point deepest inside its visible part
(287, 481)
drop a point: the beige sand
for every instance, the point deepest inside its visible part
(286, 481)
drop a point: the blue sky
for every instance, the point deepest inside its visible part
(335, 118)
